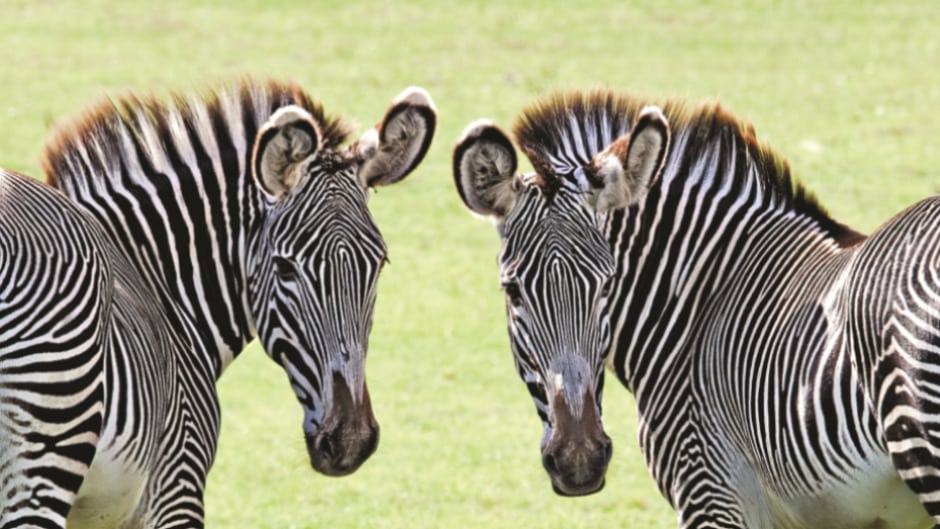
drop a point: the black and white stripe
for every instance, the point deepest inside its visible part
(55, 282)
(784, 366)
(193, 258)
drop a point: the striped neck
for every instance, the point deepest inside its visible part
(719, 185)
(720, 201)
(170, 184)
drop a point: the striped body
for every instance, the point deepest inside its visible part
(218, 219)
(55, 282)
(784, 366)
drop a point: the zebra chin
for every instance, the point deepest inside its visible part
(583, 491)
(349, 434)
(578, 452)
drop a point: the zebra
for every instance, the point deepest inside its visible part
(784, 365)
(234, 214)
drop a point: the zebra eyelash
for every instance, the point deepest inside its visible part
(513, 293)
(285, 268)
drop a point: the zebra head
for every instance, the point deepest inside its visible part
(557, 271)
(317, 259)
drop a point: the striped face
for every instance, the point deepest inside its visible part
(557, 270)
(317, 258)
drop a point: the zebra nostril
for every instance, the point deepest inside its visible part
(550, 464)
(326, 446)
(372, 441)
(608, 450)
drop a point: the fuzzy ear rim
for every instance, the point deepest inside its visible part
(484, 167)
(287, 138)
(393, 149)
(623, 172)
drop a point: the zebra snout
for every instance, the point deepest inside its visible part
(578, 468)
(578, 452)
(342, 451)
(349, 435)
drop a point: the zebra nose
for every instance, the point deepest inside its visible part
(577, 469)
(578, 452)
(349, 435)
(340, 452)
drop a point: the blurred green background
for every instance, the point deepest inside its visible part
(849, 91)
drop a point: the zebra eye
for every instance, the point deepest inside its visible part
(513, 293)
(285, 269)
(607, 287)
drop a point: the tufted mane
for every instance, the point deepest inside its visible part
(102, 122)
(564, 131)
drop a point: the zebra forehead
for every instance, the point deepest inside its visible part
(329, 219)
(328, 208)
(549, 237)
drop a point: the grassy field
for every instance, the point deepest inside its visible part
(849, 91)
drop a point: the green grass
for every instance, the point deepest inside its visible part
(849, 91)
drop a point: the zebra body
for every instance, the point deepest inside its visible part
(224, 217)
(783, 364)
(52, 347)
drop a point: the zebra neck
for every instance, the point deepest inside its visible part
(710, 217)
(181, 220)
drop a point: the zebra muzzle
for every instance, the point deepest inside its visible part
(578, 451)
(349, 433)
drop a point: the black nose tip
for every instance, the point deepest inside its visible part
(342, 451)
(577, 468)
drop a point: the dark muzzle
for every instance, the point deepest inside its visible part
(577, 454)
(349, 434)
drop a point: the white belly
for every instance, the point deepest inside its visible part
(110, 495)
(875, 498)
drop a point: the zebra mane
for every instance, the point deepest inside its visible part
(156, 125)
(564, 131)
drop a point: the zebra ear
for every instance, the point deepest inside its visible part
(623, 172)
(398, 144)
(289, 137)
(485, 169)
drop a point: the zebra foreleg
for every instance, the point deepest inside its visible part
(51, 413)
(175, 495)
(716, 488)
(909, 408)
(43, 461)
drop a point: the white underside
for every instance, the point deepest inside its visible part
(875, 498)
(110, 495)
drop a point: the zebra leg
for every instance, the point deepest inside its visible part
(892, 307)
(177, 487)
(55, 287)
(43, 461)
(909, 408)
(707, 480)
(51, 408)
(729, 501)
